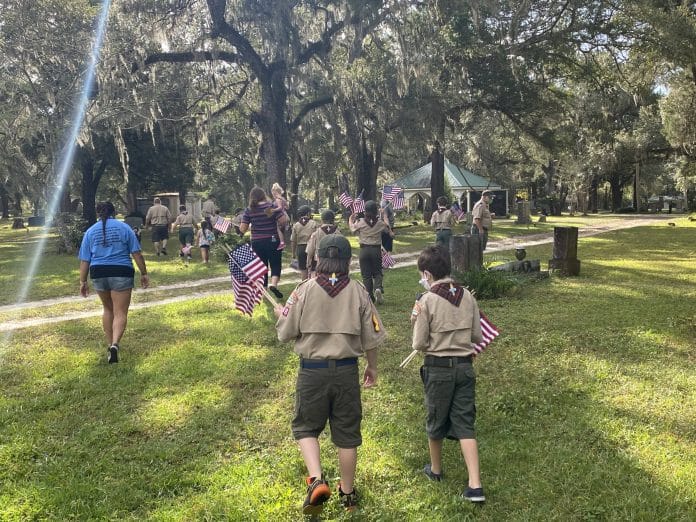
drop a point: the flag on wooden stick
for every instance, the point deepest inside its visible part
(359, 203)
(222, 224)
(345, 200)
(247, 270)
(388, 260)
(489, 332)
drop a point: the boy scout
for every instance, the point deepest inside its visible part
(445, 324)
(329, 341)
(158, 217)
(327, 227)
(301, 232)
(443, 220)
(483, 219)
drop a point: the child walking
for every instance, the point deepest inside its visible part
(443, 220)
(328, 382)
(186, 229)
(205, 238)
(327, 227)
(282, 203)
(301, 232)
(446, 322)
(369, 230)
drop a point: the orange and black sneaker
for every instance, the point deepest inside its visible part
(348, 500)
(318, 492)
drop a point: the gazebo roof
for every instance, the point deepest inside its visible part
(456, 177)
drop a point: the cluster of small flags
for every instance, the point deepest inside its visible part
(356, 205)
(489, 332)
(247, 270)
(395, 195)
(222, 224)
(457, 210)
(388, 260)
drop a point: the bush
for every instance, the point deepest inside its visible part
(218, 250)
(70, 228)
(626, 210)
(487, 284)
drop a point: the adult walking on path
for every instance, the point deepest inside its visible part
(158, 218)
(209, 209)
(105, 254)
(483, 219)
(264, 219)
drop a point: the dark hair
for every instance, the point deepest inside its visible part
(371, 212)
(182, 208)
(256, 196)
(442, 200)
(205, 225)
(105, 210)
(333, 264)
(436, 260)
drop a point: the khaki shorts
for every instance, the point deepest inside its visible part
(450, 404)
(331, 394)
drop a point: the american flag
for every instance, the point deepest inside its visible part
(489, 332)
(345, 199)
(390, 192)
(359, 203)
(457, 210)
(246, 269)
(388, 260)
(399, 202)
(222, 224)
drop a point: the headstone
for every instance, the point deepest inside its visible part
(36, 221)
(466, 253)
(134, 221)
(523, 213)
(565, 251)
(18, 223)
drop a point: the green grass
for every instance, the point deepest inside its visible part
(57, 275)
(587, 407)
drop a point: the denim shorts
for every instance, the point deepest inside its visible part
(117, 284)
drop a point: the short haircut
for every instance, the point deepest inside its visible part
(157, 201)
(436, 260)
(442, 200)
(182, 207)
(331, 265)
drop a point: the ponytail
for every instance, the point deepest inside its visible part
(105, 210)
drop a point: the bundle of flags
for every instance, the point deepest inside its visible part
(457, 210)
(489, 332)
(388, 260)
(395, 195)
(247, 270)
(222, 224)
(356, 205)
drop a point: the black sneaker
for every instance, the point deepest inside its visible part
(318, 492)
(435, 477)
(348, 500)
(113, 354)
(474, 495)
(276, 292)
(164, 251)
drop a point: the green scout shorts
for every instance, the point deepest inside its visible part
(331, 394)
(449, 401)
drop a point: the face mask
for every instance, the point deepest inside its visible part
(424, 282)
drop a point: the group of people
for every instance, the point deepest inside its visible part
(332, 321)
(444, 219)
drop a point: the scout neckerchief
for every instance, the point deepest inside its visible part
(334, 283)
(371, 221)
(450, 291)
(329, 229)
(440, 210)
(304, 220)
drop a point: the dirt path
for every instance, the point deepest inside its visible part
(188, 288)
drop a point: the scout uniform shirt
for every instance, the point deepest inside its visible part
(184, 220)
(325, 327)
(208, 208)
(317, 236)
(442, 219)
(369, 235)
(303, 230)
(447, 321)
(158, 215)
(480, 211)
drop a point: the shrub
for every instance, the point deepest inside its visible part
(625, 210)
(487, 284)
(70, 228)
(218, 250)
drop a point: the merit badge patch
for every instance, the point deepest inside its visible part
(286, 311)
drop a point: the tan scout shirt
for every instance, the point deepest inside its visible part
(184, 221)
(158, 215)
(480, 211)
(301, 233)
(208, 208)
(324, 327)
(442, 220)
(369, 235)
(313, 243)
(441, 329)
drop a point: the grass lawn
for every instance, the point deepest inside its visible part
(57, 275)
(586, 403)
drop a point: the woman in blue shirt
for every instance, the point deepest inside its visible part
(105, 254)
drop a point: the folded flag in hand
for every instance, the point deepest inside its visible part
(388, 260)
(246, 270)
(222, 224)
(359, 203)
(489, 332)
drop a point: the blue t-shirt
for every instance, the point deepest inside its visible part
(120, 244)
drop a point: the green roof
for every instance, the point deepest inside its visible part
(455, 177)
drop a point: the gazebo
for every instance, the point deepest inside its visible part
(465, 185)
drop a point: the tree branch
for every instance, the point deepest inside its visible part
(315, 104)
(188, 57)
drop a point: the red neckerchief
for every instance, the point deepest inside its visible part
(304, 220)
(450, 291)
(329, 229)
(440, 210)
(334, 283)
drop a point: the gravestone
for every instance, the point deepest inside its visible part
(18, 223)
(523, 213)
(565, 252)
(36, 221)
(466, 253)
(134, 221)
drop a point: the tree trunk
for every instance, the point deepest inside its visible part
(437, 175)
(4, 202)
(616, 193)
(91, 177)
(636, 185)
(18, 204)
(274, 127)
(593, 195)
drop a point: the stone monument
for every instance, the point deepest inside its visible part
(524, 215)
(466, 253)
(565, 252)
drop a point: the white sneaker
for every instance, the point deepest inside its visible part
(379, 299)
